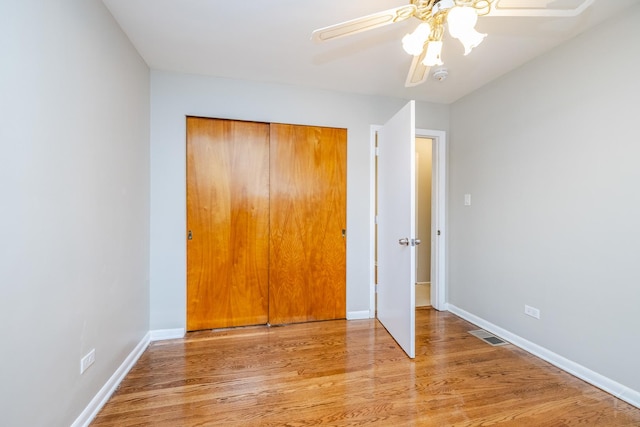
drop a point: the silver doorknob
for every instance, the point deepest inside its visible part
(404, 242)
(415, 242)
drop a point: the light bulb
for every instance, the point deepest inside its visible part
(432, 58)
(461, 22)
(414, 43)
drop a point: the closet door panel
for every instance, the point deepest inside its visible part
(307, 223)
(228, 223)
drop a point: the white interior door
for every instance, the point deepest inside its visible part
(396, 227)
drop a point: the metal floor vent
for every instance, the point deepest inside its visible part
(488, 337)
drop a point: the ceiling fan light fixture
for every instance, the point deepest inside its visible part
(461, 22)
(459, 16)
(471, 40)
(413, 43)
(433, 55)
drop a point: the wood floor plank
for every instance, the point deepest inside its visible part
(352, 373)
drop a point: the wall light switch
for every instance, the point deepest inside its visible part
(87, 360)
(467, 199)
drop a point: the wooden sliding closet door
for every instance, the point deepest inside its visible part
(308, 218)
(228, 223)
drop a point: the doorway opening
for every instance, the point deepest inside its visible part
(434, 265)
(423, 178)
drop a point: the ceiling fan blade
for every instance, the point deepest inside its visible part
(536, 8)
(418, 72)
(364, 23)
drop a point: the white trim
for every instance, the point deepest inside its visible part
(166, 334)
(359, 315)
(438, 216)
(372, 219)
(110, 386)
(607, 384)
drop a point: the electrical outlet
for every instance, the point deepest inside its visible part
(87, 360)
(532, 311)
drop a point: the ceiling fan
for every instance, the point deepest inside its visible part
(459, 16)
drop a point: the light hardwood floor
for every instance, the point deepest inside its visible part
(352, 374)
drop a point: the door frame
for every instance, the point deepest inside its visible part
(438, 218)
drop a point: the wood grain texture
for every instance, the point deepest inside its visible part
(307, 217)
(228, 215)
(340, 373)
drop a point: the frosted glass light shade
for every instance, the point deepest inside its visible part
(432, 58)
(471, 40)
(461, 22)
(414, 43)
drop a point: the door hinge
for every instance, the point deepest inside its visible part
(190, 235)
(438, 232)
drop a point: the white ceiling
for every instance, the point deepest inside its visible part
(269, 41)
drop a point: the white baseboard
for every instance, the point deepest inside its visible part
(358, 315)
(166, 334)
(110, 386)
(610, 386)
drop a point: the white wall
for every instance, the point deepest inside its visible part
(74, 216)
(174, 96)
(550, 155)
